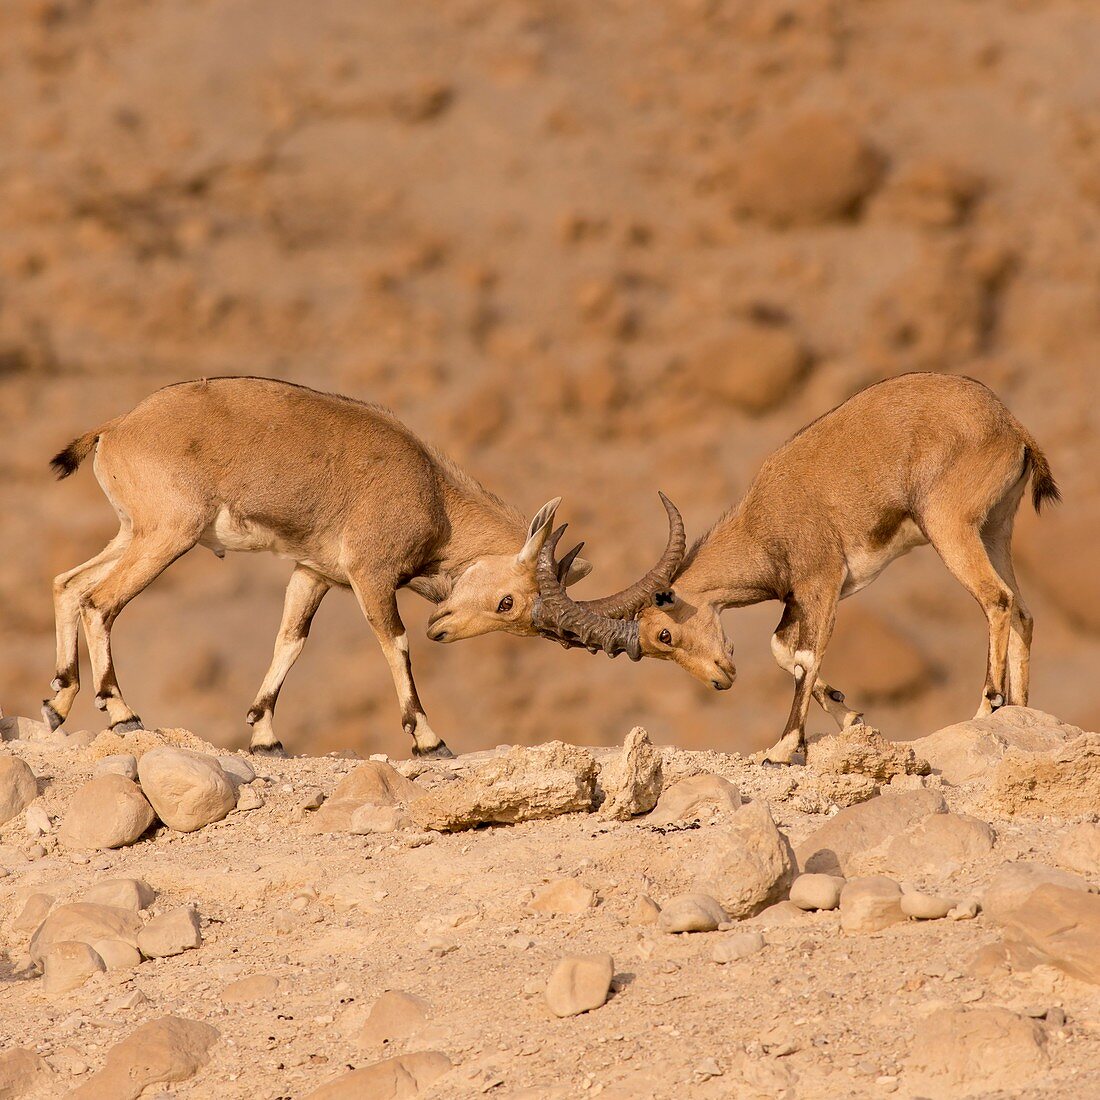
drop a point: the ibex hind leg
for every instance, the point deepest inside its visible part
(140, 563)
(68, 590)
(997, 539)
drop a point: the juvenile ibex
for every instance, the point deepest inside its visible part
(341, 487)
(924, 458)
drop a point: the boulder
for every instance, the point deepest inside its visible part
(565, 895)
(334, 815)
(747, 864)
(846, 790)
(695, 798)
(870, 904)
(124, 893)
(861, 750)
(816, 891)
(1014, 883)
(369, 818)
(124, 764)
(18, 728)
(162, 1051)
(863, 828)
(391, 1079)
(394, 1015)
(737, 945)
(68, 964)
(920, 906)
(86, 923)
(107, 812)
(968, 750)
(23, 1074)
(187, 789)
(171, 933)
(379, 783)
(691, 913)
(970, 1051)
(1064, 782)
(805, 169)
(938, 845)
(33, 913)
(1061, 925)
(18, 787)
(237, 770)
(524, 784)
(579, 983)
(1080, 849)
(631, 782)
(117, 954)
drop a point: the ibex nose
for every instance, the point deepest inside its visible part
(437, 631)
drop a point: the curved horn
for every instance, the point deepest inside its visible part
(627, 603)
(556, 616)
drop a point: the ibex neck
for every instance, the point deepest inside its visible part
(480, 524)
(731, 567)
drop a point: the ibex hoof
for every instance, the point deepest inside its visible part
(50, 716)
(440, 752)
(274, 749)
(127, 725)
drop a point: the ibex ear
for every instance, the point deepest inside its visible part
(537, 533)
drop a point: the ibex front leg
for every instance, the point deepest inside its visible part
(812, 618)
(380, 607)
(303, 596)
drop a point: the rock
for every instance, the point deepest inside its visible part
(86, 923)
(695, 798)
(863, 828)
(170, 1049)
(33, 913)
(644, 911)
(117, 954)
(237, 770)
(187, 789)
(394, 1015)
(846, 790)
(691, 913)
(566, 895)
(369, 818)
(1061, 925)
(632, 782)
(921, 906)
(17, 728)
(23, 1074)
(392, 1079)
(1064, 782)
(816, 891)
(939, 844)
(172, 933)
(334, 815)
(125, 893)
(524, 784)
(861, 750)
(18, 787)
(108, 812)
(1014, 883)
(967, 909)
(747, 864)
(1080, 849)
(68, 964)
(737, 945)
(37, 820)
(968, 750)
(781, 913)
(579, 983)
(250, 990)
(379, 783)
(870, 904)
(752, 366)
(808, 169)
(124, 764)
(967, 1051)
(248, 798)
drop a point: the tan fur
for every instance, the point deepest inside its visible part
(924, 458)
(340, 487)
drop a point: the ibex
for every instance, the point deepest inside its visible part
(339, 486)
(923, 458)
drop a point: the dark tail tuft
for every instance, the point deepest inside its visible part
(65, 462)
(1043, 485)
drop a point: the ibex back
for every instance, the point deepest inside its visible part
(339, 486)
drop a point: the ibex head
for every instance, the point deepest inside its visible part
(500, 591)
(648, 619)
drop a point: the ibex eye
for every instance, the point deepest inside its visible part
(665, 637)
(504, 605)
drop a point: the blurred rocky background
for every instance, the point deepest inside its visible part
(592, 250)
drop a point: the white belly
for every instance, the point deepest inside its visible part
(865, 563)
(229, 532)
